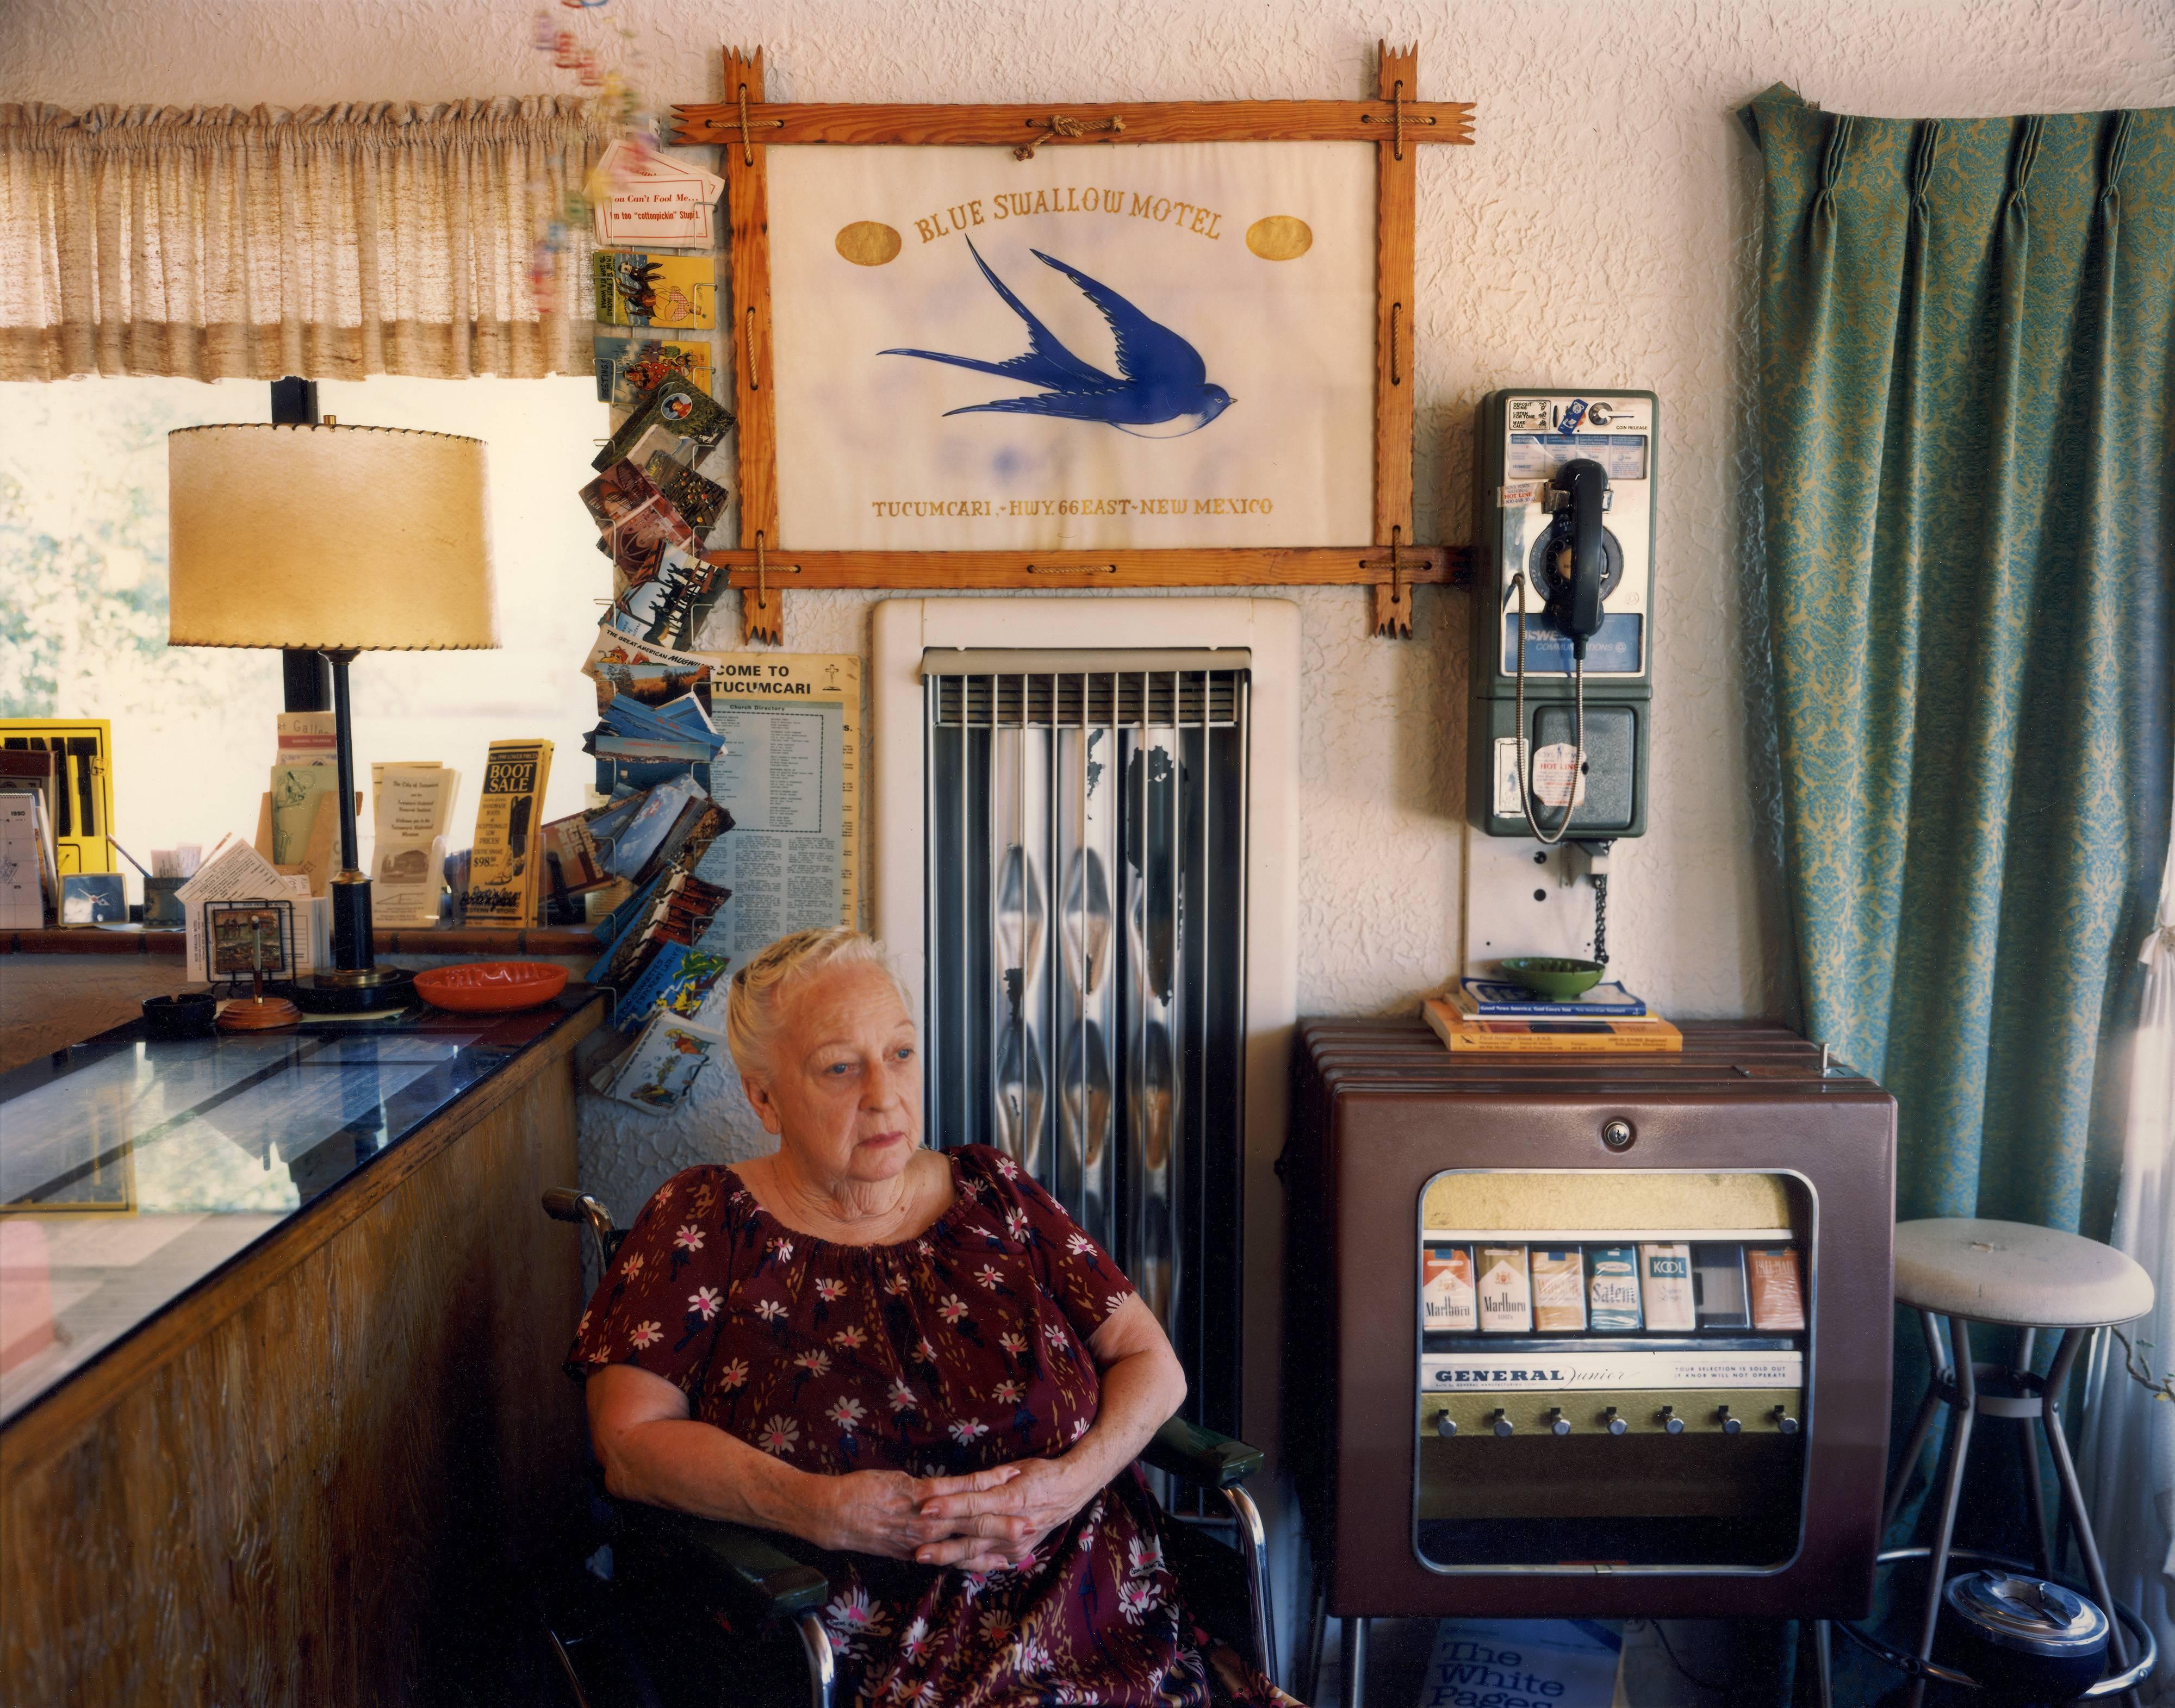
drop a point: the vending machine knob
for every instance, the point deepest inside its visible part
(1559, 1424)
(1669, 1421)
(1783, 1421)
(1730, 1426)
(1445, 1425)
(1503, 1424)
(1616, 1426)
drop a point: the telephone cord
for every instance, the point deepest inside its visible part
(1578, 749)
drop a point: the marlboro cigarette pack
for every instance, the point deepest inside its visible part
(1506, 1299)
(1447, 1301)
(1559, 1291)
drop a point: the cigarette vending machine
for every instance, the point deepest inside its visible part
(1604, 1335)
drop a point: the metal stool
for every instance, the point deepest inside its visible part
(2009, 1275)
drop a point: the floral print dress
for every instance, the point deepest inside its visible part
(945, 1354)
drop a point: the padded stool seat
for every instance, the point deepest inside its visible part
(2013, 1273)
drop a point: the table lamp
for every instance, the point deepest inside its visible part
(336, 541)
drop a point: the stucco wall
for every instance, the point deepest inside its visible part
(1601, 232)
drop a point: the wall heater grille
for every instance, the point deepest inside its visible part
(1085, 919)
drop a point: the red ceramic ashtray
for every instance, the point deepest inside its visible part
(491, 987)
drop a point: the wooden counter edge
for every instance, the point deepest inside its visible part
(52, 1422)
(412, 940)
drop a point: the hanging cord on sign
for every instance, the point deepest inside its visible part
(1600, 880)
(1578, 750)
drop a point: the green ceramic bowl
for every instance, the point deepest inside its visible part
(1546, 976)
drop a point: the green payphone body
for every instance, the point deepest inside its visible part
(1563, 525)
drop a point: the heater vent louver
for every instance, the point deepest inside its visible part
(1085, 940)
(1072, 700)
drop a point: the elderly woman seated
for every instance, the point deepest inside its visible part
(914, 1360)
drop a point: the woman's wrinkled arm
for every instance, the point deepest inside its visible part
(654, 1451)
(1142, 1384)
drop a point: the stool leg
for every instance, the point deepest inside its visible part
(2035, 1496)
(1929, 1408)
(2035, 1491)
(1352, 1670)
(1822, 1664)
(1317, 1612)
(1906, 1468)
(2065, 1471)
(1959, 1434)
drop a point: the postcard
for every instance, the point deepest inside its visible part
(660, 1070)
(679, 407)
(655, 675)
(629, 369)
(621, 491)
(641, 290)
(648, 197)
(297, 792)
(665, 605)
(699, 500)
(697, 995)
(638, 547)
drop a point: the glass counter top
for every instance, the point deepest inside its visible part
(133, 1168)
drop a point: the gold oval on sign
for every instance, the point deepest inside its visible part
(1280, 237)
(868, 243)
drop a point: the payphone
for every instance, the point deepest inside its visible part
(1563, 612)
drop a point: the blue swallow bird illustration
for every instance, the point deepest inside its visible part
(1161, 390)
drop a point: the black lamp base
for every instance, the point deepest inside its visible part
(353, 993)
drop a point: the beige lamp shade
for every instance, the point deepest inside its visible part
(327, 538)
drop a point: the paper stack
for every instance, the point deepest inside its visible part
(1497, 1016)
(28, 879)
(236, 872)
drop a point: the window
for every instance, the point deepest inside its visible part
(83, 598)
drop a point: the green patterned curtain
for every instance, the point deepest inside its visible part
(1965, 349)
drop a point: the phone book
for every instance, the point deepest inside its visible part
(1553, 1036)
(1501, 998)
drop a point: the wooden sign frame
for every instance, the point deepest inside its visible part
(746, 126)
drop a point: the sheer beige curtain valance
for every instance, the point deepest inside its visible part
(330, 242)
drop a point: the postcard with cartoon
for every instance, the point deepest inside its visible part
(638, 289)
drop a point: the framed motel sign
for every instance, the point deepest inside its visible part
(1140, 344)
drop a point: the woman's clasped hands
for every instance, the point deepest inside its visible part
(990, 1521)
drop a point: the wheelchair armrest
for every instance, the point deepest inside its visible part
(1201, 1455)
(740, 1565)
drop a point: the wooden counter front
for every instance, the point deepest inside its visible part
(316, 1477)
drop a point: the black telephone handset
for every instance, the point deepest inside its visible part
(1578, 556)
(1575, 563)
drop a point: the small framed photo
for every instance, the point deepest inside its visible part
(93, 898)
(239, 932)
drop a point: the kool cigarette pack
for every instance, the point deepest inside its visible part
(1665, 1282)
